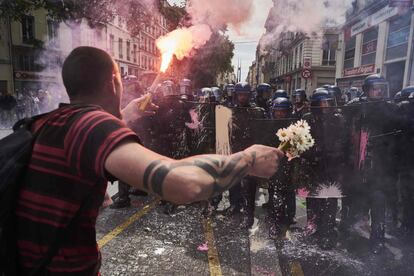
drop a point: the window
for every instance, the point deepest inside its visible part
(299, 83)
(26, 62)
(3, 87)
(329, 50)
(300, 55)
(399, 32)
(369, 46)
(112, 45)
(135, 53)
(121, 50)
(28, 28)
(128, 49)
(350, 53)
(53, 31)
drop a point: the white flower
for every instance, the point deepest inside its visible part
(283, 135)
(298, 137)
(303, 124)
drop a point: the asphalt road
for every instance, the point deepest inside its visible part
(142, 240)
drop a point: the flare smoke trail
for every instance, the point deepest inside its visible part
(206, 17)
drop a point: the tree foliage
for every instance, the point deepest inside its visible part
(209, 61)
(96, 12)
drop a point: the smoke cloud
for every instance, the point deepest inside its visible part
(306, 16)
(217, 14)
(206, 17)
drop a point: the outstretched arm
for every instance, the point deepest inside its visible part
(192, 179)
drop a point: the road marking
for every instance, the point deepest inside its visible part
(213, 257)
(296, 269)
(118, 230)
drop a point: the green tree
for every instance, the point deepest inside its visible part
(211, 60)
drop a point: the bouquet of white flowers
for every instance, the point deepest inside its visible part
(296, 139)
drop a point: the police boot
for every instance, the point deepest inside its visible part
(326, 226)
(248, 212)
(377, 238)
(232, 211)
(235, 201)
(291, 207)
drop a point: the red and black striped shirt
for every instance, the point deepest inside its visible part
(66, 171)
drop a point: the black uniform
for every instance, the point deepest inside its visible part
(371, 145)
(406, 164)
(324, 166)
(282, 197)
(243, 195)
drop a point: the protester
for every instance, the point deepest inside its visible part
(84, 144)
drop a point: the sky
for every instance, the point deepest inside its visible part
(250, 32)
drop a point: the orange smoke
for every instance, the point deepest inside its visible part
(181, 43)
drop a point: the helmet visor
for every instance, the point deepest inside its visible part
(378, 91)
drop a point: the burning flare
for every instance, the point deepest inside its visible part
(181, 43)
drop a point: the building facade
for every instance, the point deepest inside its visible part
(298, 61)
(377, 38)
(32, 51)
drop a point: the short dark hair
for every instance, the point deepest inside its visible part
(85, 70)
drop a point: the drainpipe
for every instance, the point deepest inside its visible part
(11, 55)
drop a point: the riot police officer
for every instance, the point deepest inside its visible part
(263, 94)
(324, 166)
(336, 93)
(301, 106)
(372, 140)
(406, 160)
(282, 197)
(243, 194)
(229, 95)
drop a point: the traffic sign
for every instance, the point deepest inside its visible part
(307, 63)
(306, 74)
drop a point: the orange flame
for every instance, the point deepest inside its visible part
(181, 42)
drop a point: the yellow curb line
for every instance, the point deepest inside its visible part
(213, 257)
(118, 230)
(295, 267)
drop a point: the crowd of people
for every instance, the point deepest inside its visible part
(361, 153)
(26, 104)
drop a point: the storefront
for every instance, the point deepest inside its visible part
(397, 52)
(376, 40)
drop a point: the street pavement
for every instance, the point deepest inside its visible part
(4, 132)
(143, 240)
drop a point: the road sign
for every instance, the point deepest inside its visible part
(307, 63)
(306, 74)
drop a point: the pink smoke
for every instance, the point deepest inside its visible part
(195, 124)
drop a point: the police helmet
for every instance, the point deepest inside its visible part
(185, 87)
(242, 88)
(280, 94)
(217, 93)
(407, 92)
(263, 87)
(281, 104)
(229, 88)
(320, 95)
(168, 88)
(299, 95)
(378, 83)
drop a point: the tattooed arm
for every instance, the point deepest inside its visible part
(191, 179)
